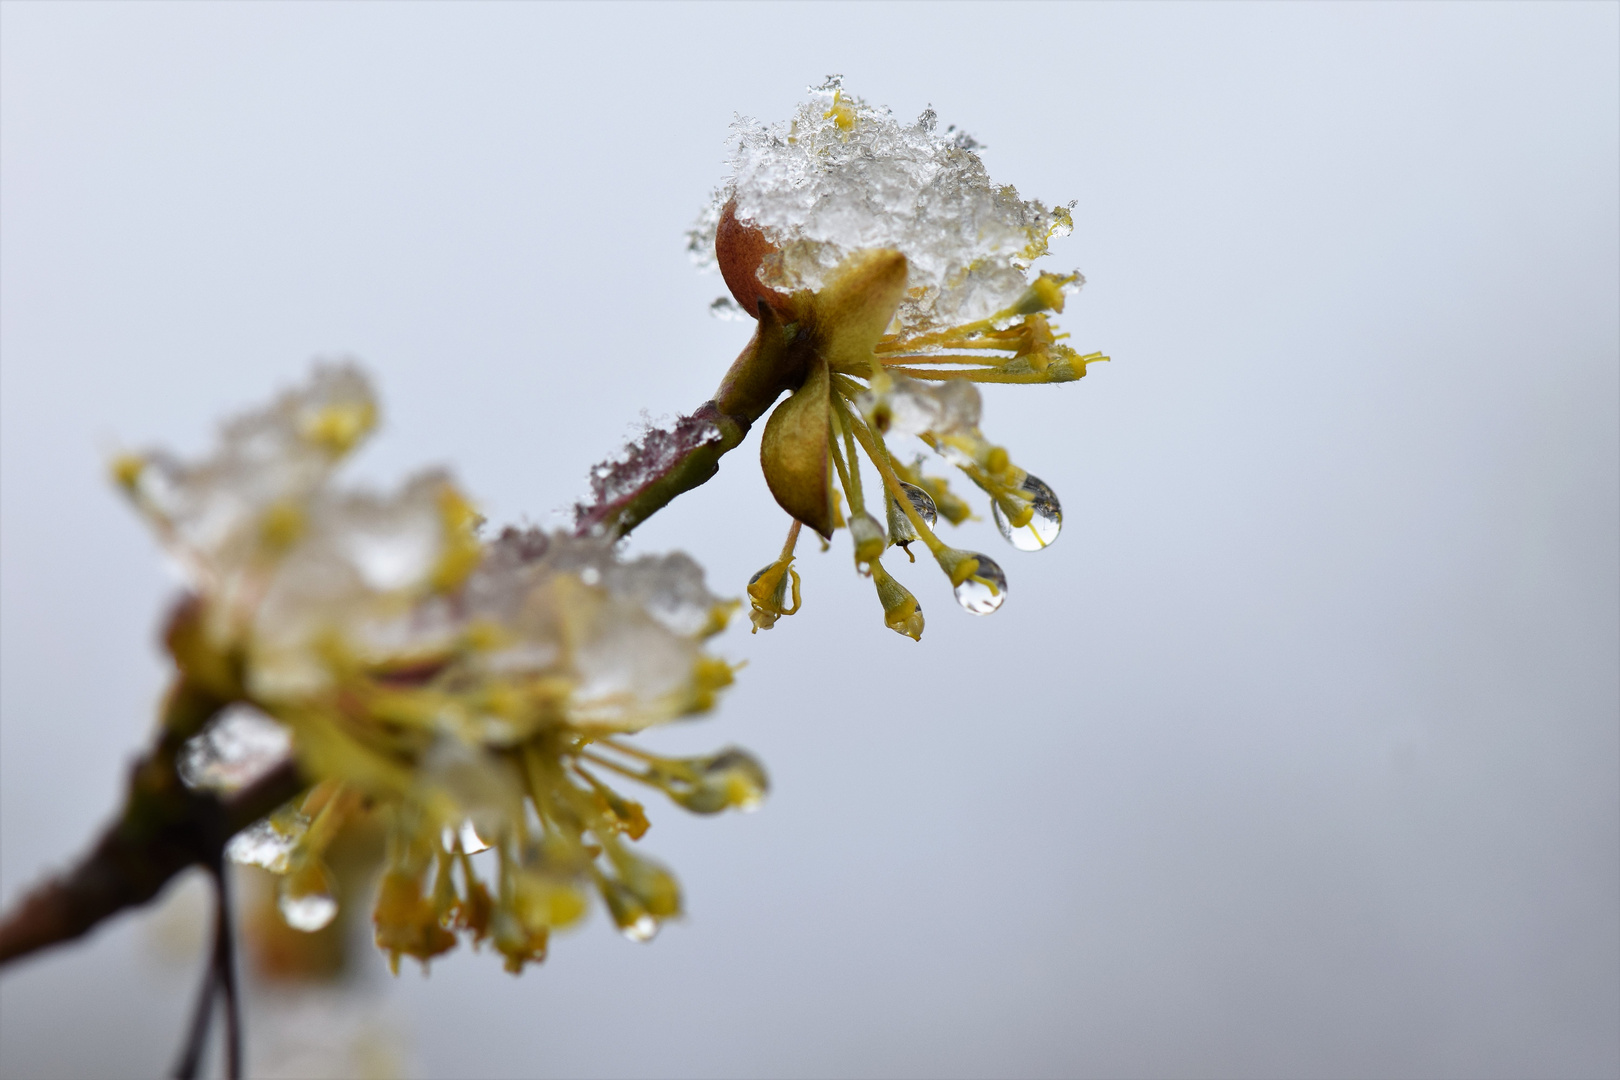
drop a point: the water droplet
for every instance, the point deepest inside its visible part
(642, 928)
(308, 913)
(305, 897)
(985, 590)
(590, 575)
(732, 778)
(1046, 517)
(900, 527)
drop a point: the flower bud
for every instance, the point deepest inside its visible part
(900, 611)
(739, 248)
(768, 593)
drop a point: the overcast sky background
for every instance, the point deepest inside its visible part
(1297, 755)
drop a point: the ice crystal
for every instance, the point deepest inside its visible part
(236, 749)
(841, 175)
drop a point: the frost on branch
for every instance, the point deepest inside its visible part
(643, 463)
(841, 175)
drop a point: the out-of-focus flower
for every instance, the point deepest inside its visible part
(473, 695)
(888, 276)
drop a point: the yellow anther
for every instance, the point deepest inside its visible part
(1049, 290)
(709, 675)
(337, 428)
(900, 611)
(126, 470)
(840, 113)
(282, 526)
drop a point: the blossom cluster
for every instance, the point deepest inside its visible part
(473, 694)
(888, 276)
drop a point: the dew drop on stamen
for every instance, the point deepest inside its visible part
(642, 928)
(900, 527)
(922, 502)
(1044, 523)
(985, 590)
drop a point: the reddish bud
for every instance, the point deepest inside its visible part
(740, 247)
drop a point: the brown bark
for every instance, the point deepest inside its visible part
(163, 829)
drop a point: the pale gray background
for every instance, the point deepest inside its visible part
(1296, 756)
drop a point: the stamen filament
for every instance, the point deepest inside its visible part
(850, 492)
(982, 375)
(627, 750)
(607, 763)
(878, 452)
(792, 539)
(857, 499)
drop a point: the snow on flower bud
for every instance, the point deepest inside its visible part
(889, 276)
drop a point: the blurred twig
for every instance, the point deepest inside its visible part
(163, 828)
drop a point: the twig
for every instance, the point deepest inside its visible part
(163, 829)
(197, 1034)
(663, 464)
(225, 966)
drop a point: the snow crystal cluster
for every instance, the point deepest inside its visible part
(842, 175)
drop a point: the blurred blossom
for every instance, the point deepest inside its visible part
(462, 692)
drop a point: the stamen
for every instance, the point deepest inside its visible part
(850, 492)
(792, 542)
(1053, 374)
(878, 452)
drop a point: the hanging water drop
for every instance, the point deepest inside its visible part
(1045, 518)
(308, 913)
(305, 897)
(642, 928)
(901, 531)
(985, 589)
